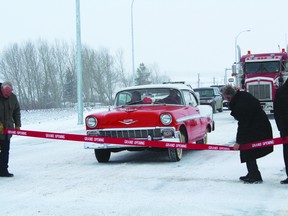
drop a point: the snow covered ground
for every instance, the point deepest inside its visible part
(62, 178)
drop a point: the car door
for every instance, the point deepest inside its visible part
(194, 125)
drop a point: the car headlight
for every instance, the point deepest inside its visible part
(91, 122)
(166, 119)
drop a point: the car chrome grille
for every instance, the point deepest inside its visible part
(261, 91)
(139, 133)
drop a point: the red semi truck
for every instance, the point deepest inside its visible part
(261, 75)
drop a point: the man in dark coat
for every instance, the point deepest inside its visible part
(9, 119)
(281, 118)
(253, 126)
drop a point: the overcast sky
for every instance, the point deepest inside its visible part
(183, 37)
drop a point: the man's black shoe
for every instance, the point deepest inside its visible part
(284, 181)
(243, 178)
(6, 174)
(253, 180)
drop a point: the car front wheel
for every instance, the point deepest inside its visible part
(175, 154)
(102, 155)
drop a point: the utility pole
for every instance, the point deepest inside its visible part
(132, 35)
(79, 64)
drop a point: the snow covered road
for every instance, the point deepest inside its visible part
(62, 178)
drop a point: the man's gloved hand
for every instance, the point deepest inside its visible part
(17, 128)
(283, 135)
(1, 128)
(236, 146)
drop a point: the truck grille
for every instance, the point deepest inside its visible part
(261, 91)
(141, 134)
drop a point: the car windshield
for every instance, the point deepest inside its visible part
(205, 92)
(262, 67)
(148, 96)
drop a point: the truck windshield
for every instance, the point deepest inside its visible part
(262, 67)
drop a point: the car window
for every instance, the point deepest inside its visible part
(157, 95)
(190, 99)
(194, 100)
(217, 91)
(122, 98)
(205, 92)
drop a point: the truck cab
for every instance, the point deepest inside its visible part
(262, 74)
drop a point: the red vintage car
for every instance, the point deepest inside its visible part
(162, 112)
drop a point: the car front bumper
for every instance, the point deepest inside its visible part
(135, 134)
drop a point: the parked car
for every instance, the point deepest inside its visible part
(211, 96)
(161, 112)
(220, 87)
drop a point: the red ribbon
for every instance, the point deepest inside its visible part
(143, 143)
(261, 144)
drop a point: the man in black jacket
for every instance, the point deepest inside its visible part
(281, 118)
(253, 126)
(9, 119)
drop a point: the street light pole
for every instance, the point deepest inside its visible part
(132, 35)
(79, 64)
(236, 59)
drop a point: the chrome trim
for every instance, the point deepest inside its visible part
(262, 60)
(115, 146)
(260, 90)
(154, 133)
(262, 79)
(187, 118)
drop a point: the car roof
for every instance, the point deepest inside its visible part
(168, 85)
(217, 85)
(204, 88)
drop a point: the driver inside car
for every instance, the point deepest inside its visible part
(172, 98)
(135, 98)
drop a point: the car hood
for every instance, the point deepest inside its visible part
(135, 116)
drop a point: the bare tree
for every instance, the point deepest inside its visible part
(49, 89)
(143, 75)
(12, 68)
(31, 88)
(61, 56)
(105, 76)
(156, 75)
(44, 75)
(124, 78)
(89, 68)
